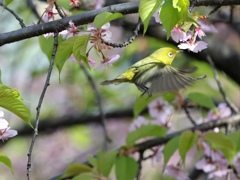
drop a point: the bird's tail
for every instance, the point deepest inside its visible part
(114, 81)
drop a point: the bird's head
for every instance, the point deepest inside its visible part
(166, 55)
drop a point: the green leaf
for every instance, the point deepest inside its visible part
(5, 160)
(64, 51)
(84, 176)
(235, 139)
(11, 100)
(169, 16)
(105, 161)
(182, 7)
(7, 2)
(80, 48)
(219, 141)
(105, 17)
(170, 148)
(186, 142)
(46, 45)
(145, 131)
(75, 169)
(141, 103)
(146, 10)
(202, 100)
(126, 168)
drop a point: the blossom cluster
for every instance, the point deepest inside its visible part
(160, 112)
(5, 131)
(213, 163)
(97, 35)
(188, 39)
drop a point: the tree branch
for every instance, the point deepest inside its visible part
(84, 18)
(40, 104)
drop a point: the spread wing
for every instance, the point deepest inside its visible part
(161, 79)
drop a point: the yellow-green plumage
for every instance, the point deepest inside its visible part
(154, 74)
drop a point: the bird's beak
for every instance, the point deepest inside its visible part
(179, 51)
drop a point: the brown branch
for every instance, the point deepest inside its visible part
(84, 18)
(14, 14)
(40, 104)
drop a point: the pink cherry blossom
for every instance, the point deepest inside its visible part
(91, 62)
(199, 32)
(7, 133)
(206, 26)
(73, 31)
(74, 2)
(222, 111)
(159, 108)
(178, 34)
(3, 124)
(193, 46)
(137, 123)
(98, 4)
(156, 16)
(109, 61)
(49, 14)
(206, 165)
(176, 172)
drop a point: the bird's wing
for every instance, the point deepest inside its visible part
(165, 79)
(145, 72)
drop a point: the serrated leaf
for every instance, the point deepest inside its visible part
(235, 138)
(64, 51)
(105, 161)
(46, 45)
(186, 142)
(92, 161)
(7, 2)
(10, 99)
(105, 17)
(170, 148)
(126, 168)
(169, 16)
(84, 176)
(219, 141)
(75, 169)
(202, 100)
(182, 7)
(141, 103)
(145, 131)
(146, 10)
(5, 160)
(80, 48)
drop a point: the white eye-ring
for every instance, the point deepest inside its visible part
(170, 54)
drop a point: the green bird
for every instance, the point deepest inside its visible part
(154, 74)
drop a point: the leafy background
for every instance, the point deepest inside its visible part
(24, 67)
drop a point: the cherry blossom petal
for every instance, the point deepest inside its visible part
(140, 121)
(178, 35)
(176, 172)
(156, 17)
(9, 133)
(109, 61)
(3, 124)
(160, 108)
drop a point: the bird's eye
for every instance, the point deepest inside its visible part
(170, 54)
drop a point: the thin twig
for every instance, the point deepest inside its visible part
(231, 14)
(59, 10)
(40, 104)
(129, 41)
(188, 114)
(226, 99)
(99, 101)
(140, 164)
(214, 10)
(14, 14)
